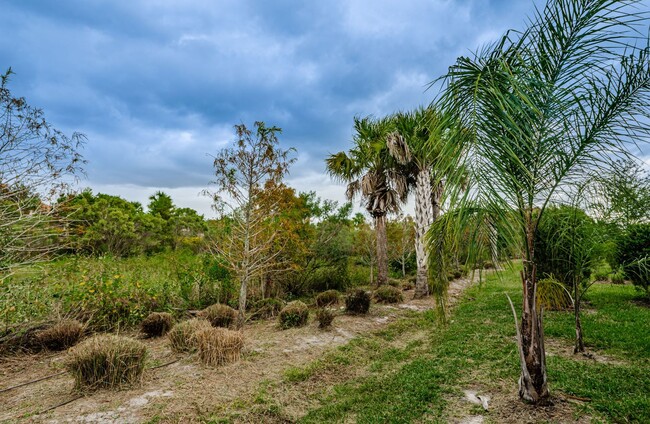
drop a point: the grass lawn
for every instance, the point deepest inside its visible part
(395, 376)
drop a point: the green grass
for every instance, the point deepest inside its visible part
(477, 349)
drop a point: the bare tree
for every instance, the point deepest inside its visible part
(37, 162)
(242, 173)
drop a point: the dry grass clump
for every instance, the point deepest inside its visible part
(219, 315)
(219, 346)
(182, 336)
(357, 302)
(408, 285)
(295, 314)
(107, 361)
(157, 324)
(324, 317)
(327, 298)
(266, 308)
(60, 336)
(388, 294)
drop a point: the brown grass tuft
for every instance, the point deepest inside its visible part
(295, 314)
(60, 336)
(327, 298)
(324, 317)
(107, 361)
(157, 324)
(219, 346)
(182, 337)
(219, 315)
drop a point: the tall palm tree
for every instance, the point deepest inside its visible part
(416, 143)
(548, 107)
(370, 172)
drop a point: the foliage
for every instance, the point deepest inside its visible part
(328, 298)
(219, 315)
(401, 239)
(357, 302)
(633, 254)
(182, 336)
(553, 295)
(324, 317)
(107, 361)
(157, 324)
(266, 308)
(36, 163)
(388, 294)
(295, 314)
(219, 346)
(60, 336)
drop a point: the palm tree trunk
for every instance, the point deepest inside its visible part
(423, 220)
(382, 250)
(532, 382)
(580, 344)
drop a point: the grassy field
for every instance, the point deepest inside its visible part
(417, 370)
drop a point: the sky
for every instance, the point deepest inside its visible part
(156, 86)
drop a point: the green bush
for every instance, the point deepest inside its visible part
(295, 314)
(633, 254)
(266, 308)
(618, 277)
(388, 294)
(324, 317)
(327, 298)
(219, 315)
(357, 302)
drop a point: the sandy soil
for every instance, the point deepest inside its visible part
(186, 389)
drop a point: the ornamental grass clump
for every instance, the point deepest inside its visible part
(219, 315)
(107, 361)
(357, 302)
(182, 337)
(157, 324)
(62, 335)
(324, 317)
(388, 294)
(219, 346)
(295, 314)
(328, 298)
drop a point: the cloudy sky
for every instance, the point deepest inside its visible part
(157, 85)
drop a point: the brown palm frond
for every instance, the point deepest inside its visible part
(398, 148)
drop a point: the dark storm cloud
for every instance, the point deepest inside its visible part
(156, 85)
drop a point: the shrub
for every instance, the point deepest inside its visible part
(327, 298)
(219, 346)
(394, 282)
(157, 324)
(60, 336)
(388, 294)
(633, 254)
(618, 277)
(601, 276)
(357, 302)
(408, 285)
(553, 295)
(107, 361)
(266, 308)
(324, 317)
(219, 315)
(295, 314)
(182, 337)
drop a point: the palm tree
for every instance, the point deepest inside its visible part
(371, 173)
(416, 143)
(548, 107)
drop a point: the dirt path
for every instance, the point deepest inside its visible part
(186, 389)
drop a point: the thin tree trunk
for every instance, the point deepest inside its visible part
(382, 250)
(423, 220)
(532, 383)
(403, 266)
(580, 344)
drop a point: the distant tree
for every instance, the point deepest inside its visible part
(401, 239)
(36, 164)
(365, 247)
(241, 172)
(161, 205)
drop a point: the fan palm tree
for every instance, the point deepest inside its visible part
(548, 107)
(370, 172)
(416, 143)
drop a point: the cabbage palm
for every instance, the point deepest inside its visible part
(371, 173)
(548, 107)
(417, 142)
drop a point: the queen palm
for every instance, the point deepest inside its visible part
(416, 143)
(370, 172)
(548, 107)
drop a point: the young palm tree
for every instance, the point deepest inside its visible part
(370, 172)
(416, 143)
(548, 107)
